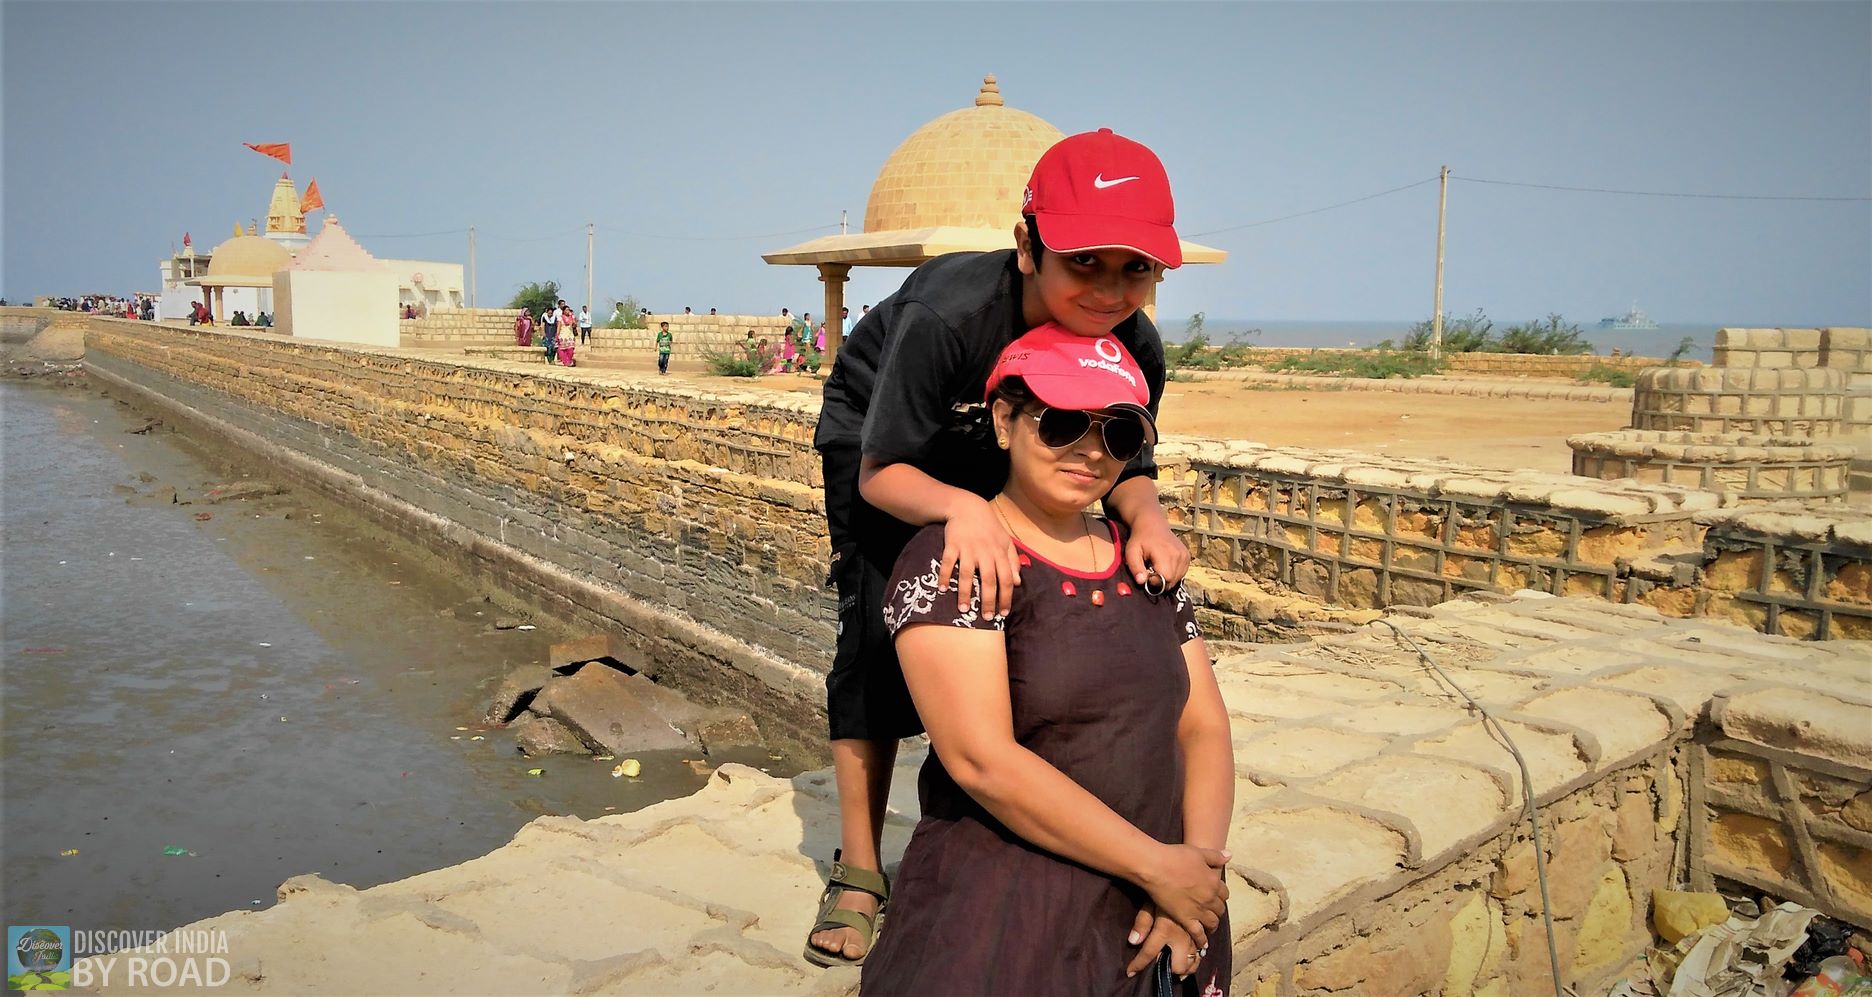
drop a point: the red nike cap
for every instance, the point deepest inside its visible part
(1099, 190)
(1068, 371)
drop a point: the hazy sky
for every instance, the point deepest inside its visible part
(691, 133)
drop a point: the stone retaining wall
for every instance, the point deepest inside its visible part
(455, 327)
(1761, 468)
(694, 335)
(1751, 400)
(1776, 349)
(1515, 365)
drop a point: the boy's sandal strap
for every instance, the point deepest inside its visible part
(839, 917)
(875, 883)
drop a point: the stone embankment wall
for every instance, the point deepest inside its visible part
(1760, 401)
(1380, 843)
(1750, 468)
(1344, 527)
(18, 324)
(694, 335)
(456, 327)
(1516, 365)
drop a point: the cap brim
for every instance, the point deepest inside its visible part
(1068, 391)
(1075, 233)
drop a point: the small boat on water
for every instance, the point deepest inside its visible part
(1631, 320)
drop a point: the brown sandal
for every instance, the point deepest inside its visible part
(830, 916)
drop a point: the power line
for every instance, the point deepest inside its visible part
(1315, 211)
(1659, 193)
(603, 227)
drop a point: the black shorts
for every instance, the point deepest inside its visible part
(865, 693)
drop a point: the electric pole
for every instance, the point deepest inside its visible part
(471, 267)
(588, 264)
(1436, 317)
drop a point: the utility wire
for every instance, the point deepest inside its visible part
(603, 227)
(1493, 726)
(1315, 211)
(1658, 193)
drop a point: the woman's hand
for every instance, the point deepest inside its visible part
(1153, 934)
(1186, 884)
(1153, 545)
(977, 551)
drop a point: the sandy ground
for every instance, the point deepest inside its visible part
(1491, 432)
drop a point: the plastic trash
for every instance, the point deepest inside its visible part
(1826, 938)
(178, 850)
(536, 771)
(526, 626)
(1677, 914)
(1839, 976)
(69, 852)
(628, 768)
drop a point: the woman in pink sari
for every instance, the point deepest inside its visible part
(523, 329)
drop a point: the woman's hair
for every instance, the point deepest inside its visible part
(1013, 389)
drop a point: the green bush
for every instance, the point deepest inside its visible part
(1193, 349)
(738, 362)
(1552, 336)
(536, 297)
(1379, 366)
(1469, 334)
(626, 313)
(1617, 377)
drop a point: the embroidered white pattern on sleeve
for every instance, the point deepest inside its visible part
(916, 597)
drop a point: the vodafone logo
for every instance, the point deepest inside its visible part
(1109, 350)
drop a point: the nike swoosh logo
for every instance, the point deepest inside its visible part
(1101, 183)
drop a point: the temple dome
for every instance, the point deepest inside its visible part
(246, 260)
(967, 168)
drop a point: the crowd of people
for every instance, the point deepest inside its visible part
(140, 306)
(561, 331)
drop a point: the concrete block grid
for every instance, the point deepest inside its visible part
(1784, 569)
(1761, 401)
(694, 335)
(1337, 527)
(1793, 820)
(1379, 837)
(1761, 468)
(1770, 348)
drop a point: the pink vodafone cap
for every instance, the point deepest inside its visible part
(1068, 371)
(1100, 190)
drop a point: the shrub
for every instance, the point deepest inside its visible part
(1468, 334)
(737, 362)
(536, 297)
(1380, 366)
(626, 313)
(1617, 377)
(1550, 336)
(1193, 349)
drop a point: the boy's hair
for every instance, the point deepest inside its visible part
(664, 324)
(1035, 247)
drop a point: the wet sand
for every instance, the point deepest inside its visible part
(275, 689)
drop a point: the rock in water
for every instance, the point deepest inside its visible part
(537, 735)
(612, 712)
(516, 690)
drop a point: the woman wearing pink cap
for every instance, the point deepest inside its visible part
(1080, 780)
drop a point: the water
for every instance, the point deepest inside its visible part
(1659, 342)
(274, 695)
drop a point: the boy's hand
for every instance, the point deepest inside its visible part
(1154, 545)
(978, 550)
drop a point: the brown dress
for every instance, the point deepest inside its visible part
(1097, 683)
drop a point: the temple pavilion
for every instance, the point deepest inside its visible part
(955, 185)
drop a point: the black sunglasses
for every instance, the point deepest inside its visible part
(1059, 428)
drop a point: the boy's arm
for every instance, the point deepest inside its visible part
(1153, 545)
(974, 540)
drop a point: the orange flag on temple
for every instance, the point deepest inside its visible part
(281, 151)
(313, 200)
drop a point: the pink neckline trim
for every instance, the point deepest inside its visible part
(1116, 562)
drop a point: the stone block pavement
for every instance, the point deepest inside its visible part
(1359, 773)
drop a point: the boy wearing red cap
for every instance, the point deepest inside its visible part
(905, 444)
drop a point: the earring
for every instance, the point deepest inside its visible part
(1004, 443)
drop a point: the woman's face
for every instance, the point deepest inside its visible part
(1064, 480)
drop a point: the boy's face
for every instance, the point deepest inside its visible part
(1088, 292)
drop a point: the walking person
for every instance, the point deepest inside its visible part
(899, 454)
(550, 330)
(1091, 807)
(664, 343)
(523, 329)
(584, 324)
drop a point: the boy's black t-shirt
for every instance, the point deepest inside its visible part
(911, 364)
